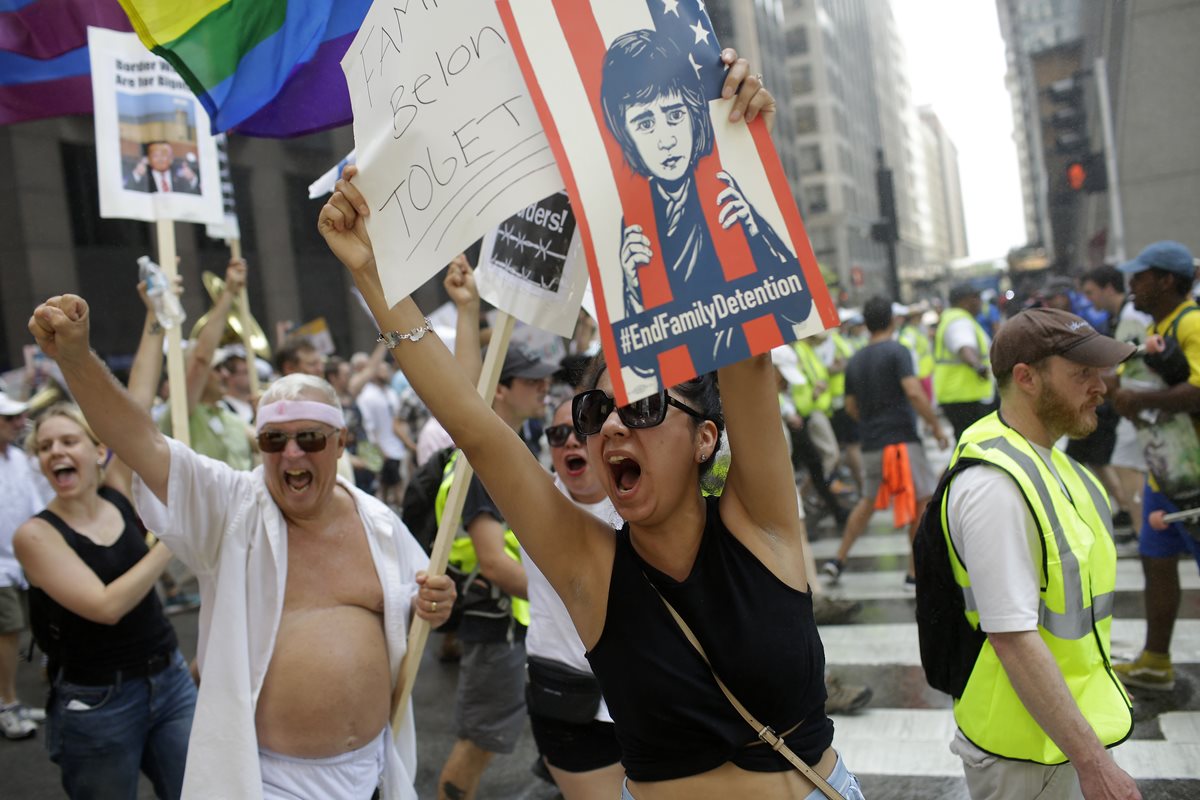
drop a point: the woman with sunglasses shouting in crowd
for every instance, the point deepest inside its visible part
(571, 723)
(731, 568)
(121, 695)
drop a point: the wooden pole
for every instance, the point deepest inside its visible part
(176, 374)
(235, 250)
(418, 632)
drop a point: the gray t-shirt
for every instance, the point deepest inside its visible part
(873, 378)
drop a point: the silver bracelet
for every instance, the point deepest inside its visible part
(393, 338)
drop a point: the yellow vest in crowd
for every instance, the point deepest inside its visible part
(1078, 575)
(462, 551)
(807, 400)
(953, 380)
(844, 349)
(915, 340)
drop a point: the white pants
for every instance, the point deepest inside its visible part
(353, 775)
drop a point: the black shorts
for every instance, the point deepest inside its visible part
(389, 475)
(845, 427)
(575, 748)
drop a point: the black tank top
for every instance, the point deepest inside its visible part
(72, 641)
(671, 718)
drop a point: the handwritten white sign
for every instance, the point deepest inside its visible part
(446, 135)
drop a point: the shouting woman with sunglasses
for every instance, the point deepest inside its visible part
(732, 568)
(571, 723)
(121, 697)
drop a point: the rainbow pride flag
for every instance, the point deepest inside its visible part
(260, 67)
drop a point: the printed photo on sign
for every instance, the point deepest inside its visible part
(155, 155)
(158, 143)
(447, 140)
(696, 250)
(532, 267)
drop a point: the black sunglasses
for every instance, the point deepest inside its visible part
(557, 435)
(590, 409)
(308, 441)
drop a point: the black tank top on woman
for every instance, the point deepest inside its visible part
(71, 641)
(671, 719)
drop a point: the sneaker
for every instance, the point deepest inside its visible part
(910, 582)
(1121, 519)
(834, 610)
(845, 698)
(832, 570)
(1147, 671)
(179, 603)
(13, 725)
(37, 715)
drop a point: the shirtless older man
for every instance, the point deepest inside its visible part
(308, 585)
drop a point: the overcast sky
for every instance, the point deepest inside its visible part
(956, 64)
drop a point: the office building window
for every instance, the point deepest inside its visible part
(810, 160)
(797, 41)
(818, 201)
(82, 186)
(806, 119)
(802, 79)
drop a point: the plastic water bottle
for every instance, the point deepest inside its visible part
(167, 309)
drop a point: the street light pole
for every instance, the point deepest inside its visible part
(1116, 220)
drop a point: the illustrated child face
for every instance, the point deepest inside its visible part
(662, 132)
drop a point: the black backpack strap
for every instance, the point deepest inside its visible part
(949, 643)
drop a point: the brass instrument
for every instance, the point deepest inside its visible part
(214, 285)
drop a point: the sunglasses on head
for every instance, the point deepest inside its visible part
(308, 441)
(590, 409)
(557, 435)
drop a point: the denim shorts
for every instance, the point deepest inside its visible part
(1174, 541)
(841, 779)
(101, 737)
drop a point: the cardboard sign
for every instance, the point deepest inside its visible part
(229, 227)
(446, 136)
(532, 266)
(155, 156)
(697, 254)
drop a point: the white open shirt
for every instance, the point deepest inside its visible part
(223, 524)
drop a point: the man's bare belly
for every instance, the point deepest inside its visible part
(328, 688)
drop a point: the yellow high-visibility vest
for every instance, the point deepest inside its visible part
(954, 381)
(462, 550)
(1078, 574)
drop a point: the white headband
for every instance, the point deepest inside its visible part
(293, 410)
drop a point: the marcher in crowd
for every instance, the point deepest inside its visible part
(1033, 554)
(121, 696)
(725, 564)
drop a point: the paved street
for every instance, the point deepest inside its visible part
(897, 746)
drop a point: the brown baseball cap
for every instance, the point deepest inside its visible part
(1043, 332)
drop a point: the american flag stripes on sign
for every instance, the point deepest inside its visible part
(697, 254)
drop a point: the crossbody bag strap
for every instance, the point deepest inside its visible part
(766, 733)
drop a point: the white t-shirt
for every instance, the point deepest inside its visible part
(551, 632)
(378, 406)
(431, 439)
(994, 533)
(19, 500)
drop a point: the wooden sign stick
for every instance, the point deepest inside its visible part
(418, 632)
(176, 374)
(235, 250)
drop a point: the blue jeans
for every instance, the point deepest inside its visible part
(841, 779)
(101, 736)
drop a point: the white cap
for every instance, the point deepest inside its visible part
(899, 310)
(788, 363)
(10, 407)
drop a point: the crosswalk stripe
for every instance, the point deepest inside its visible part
(896, 643)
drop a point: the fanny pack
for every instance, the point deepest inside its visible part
(560, 692)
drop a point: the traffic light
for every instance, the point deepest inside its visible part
(1068, 119)
(1087, 174)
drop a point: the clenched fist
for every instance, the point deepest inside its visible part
(60, 326)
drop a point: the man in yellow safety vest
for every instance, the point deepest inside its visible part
(962, 381)
(1029, 535)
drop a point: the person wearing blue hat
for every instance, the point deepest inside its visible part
(1161, 278)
